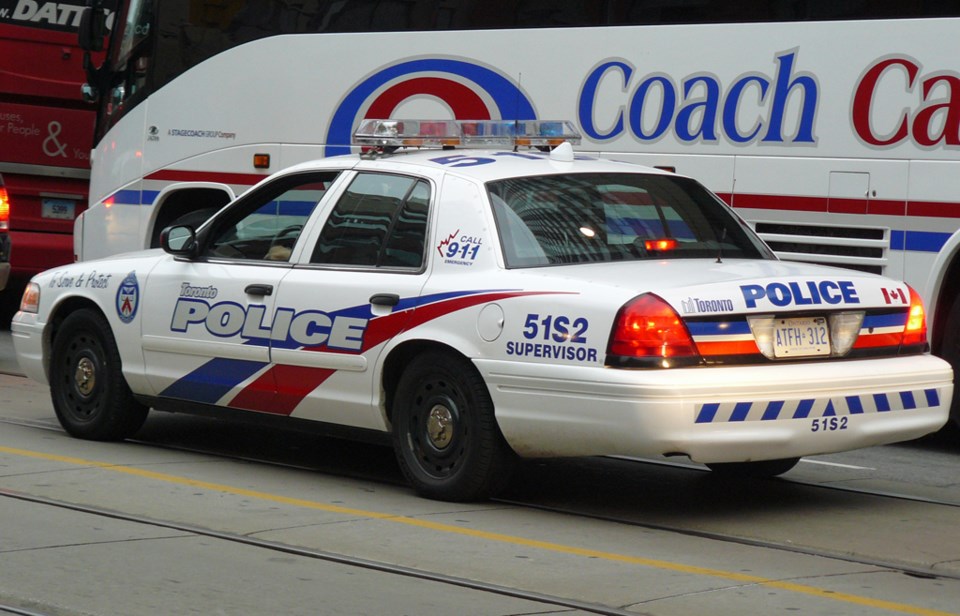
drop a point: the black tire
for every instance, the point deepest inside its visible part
(90, 396)
(445, 434)
(950, 351)
(753, 470)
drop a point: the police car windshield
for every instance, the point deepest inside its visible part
(604, 217)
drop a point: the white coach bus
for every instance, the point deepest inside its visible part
(832, 126)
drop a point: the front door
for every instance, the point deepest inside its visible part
(209, 322)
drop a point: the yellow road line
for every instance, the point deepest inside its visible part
(497, 537)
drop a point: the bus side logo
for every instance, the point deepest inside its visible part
(471, 91)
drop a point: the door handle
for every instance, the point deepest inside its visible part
(385, 299)
(259, 289)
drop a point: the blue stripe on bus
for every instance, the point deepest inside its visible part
(288, 208)
(127, 197)
(649, 227)
(918, 241)
(134, 197)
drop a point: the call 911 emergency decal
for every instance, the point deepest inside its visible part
(460, 249)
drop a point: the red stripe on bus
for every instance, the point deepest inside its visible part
(175, 175)
(933, 209)
(873, 207)
(788, 203)
(776, 202)
(469, 106)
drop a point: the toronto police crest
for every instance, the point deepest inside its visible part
(128, 296)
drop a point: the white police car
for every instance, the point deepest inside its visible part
(479, 305)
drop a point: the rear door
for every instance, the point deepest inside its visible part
(355, 288)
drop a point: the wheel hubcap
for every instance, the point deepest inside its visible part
(85, 376)
(440, 426)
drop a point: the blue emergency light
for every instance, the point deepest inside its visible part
(476, 133)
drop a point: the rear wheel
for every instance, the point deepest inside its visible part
(90, 396)
(445, 434)
(760, 469)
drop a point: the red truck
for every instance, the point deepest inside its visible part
(46, 132)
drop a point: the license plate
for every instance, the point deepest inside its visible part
(801, 337)
(62, 209)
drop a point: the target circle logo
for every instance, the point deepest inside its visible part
(470, 91)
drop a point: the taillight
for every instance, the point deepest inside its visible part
(915, 331)
(4, 209)
(648, 328)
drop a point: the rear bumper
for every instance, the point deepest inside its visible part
(727, 414)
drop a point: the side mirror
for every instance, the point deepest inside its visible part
(93, 28)
(180, 241)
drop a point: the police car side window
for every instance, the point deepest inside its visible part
(267, 225)
(380, 221)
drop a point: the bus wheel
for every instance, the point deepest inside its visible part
(950, 351)
(90, 396)
(445, 434)
(753, 470)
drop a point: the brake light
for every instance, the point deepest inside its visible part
(4, 209)
(647, 327)
(660, 245)
(915, 331)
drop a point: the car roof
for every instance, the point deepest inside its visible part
(480, 165)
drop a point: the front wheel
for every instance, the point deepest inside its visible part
(753, 470)
(445, 434)
(90, 396)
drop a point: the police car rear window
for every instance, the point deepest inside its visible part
(603, 217)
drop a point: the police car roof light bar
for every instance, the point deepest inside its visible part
(476, 133)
